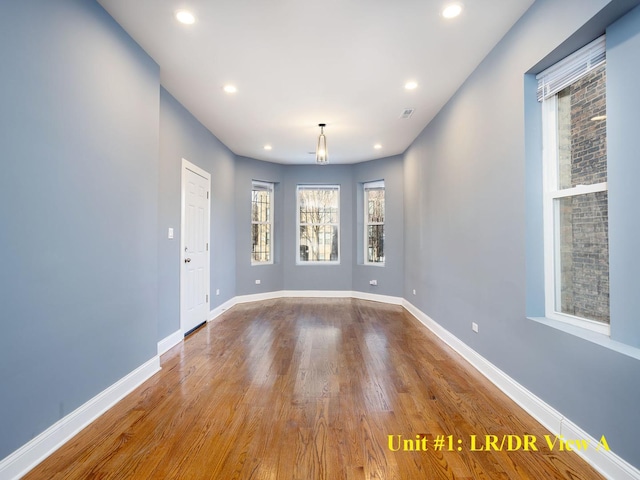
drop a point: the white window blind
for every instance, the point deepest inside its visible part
(262, 186)
(567, 71)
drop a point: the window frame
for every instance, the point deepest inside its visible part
(551, 228)
(366, 187)
(269, 187)
(306, 186)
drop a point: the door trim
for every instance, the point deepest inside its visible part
(187, 165)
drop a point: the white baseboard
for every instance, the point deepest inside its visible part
(169, 342)
(28, 456)
(35, 451)
(257, 297)
(316, 294)
(220, 309)
(374, 297)
(606, 462)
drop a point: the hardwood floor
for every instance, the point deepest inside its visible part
(311, 389)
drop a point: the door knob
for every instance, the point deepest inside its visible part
(187, 260)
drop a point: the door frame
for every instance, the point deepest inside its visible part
(187, 165)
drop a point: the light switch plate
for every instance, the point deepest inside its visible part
(170, 232)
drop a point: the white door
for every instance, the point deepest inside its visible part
(194, 258)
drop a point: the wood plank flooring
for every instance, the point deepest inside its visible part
(310, 389)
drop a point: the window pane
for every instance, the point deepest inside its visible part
(375, 206)
(582, 128)
(318, 218)
(334, 216)
(261, 248)
(318, 205)
(318, 243)
(375, 243)
(260, 206)
(374, 222)
(261, 222)
(583, 252)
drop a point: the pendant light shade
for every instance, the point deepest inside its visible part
(321, 151)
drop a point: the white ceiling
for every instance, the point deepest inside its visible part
(297, 63)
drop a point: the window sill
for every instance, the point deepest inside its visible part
(590, 336)
(326, 264)
(257, 264)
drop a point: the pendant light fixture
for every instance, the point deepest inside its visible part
(321, 152)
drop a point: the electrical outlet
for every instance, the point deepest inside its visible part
(474, 327)
(257, 282)
(414, 291)
(217, 291)
(373, 282)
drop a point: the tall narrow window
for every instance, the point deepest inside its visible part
(261, 223)
(318, 224)
(374, 223)
(575, 198)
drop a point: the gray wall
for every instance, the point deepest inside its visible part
(469, 233)
(623, 105)
(271, 276)
(78, 189)
(390, 277)
(318, 277)
(351, 274)
(89, 281)
(182, 136)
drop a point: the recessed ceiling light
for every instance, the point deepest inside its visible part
(410, 85)
(230, 88)
(377, 146)
(452, 10)
(183, 16)
(268, 147)
(598, 118)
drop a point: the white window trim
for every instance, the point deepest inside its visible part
(550, 220)
(270, 187)
(371, 186)
(308, 186)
